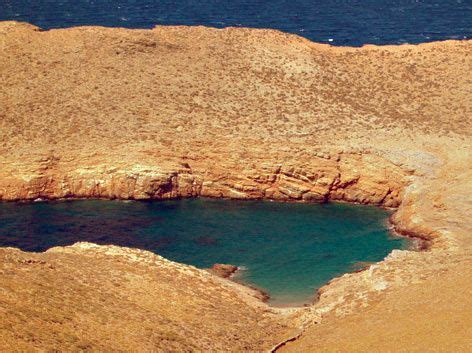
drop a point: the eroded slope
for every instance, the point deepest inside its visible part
(109, 298)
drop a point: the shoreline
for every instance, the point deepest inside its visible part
(419, 243)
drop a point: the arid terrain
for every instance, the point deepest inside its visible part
(93, 112)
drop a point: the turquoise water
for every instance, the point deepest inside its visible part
(288, 250)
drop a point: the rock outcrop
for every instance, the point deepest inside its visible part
(223, 270)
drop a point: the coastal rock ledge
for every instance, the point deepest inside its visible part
(177, 111)
(223, 270)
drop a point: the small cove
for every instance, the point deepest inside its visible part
(286, 249)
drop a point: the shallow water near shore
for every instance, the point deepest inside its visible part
(286, 249)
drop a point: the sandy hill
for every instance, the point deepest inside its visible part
(239, 113)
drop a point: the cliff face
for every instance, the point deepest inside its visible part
(348, 177)
(240, 113)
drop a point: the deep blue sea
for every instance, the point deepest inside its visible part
(286, 249)
(339, 22)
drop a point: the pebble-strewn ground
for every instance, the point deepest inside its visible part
(187, 111)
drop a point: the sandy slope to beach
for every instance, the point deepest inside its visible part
(431, 315)
(242, 113)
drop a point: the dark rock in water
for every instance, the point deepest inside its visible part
(226, 271)
(223, 270)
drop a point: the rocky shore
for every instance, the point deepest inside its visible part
(223, 270)
(246, 114)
